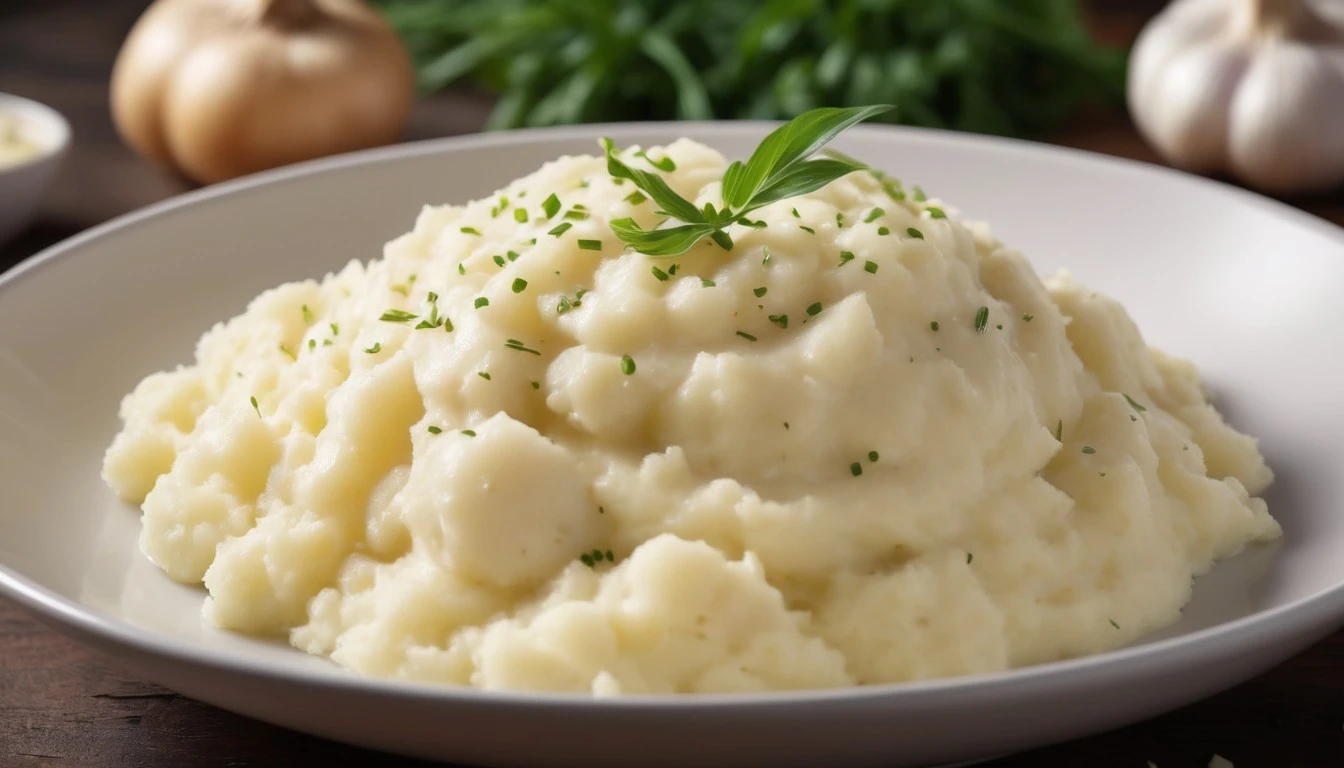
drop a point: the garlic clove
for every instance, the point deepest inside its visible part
(1190, 128)
(1289, 100)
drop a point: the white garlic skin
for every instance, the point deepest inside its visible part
(1253, 88)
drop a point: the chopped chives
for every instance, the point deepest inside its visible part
(590, 245)
(746, 335)
(627, 365)
(470, 231)
(520, 215)
(560, 229)
(551, 205)
(433, 430)
(814, 309)
(481, 301)
(981, 319)
(915, 233)
(870, 267)
(874, 215)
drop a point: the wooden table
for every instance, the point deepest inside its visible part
(61, 704)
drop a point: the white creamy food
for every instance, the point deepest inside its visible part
(866, 445)
(15, 146)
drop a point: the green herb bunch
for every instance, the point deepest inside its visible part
(1011, 67)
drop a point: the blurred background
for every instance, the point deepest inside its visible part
(166, 97)
(1052, 70)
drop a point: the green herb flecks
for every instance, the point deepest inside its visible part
(551, 206)
(781, 320)
(915, 233)
(856, 469)
(981, 319)
(469, 231)
(1134, 403)
(433, 430)
(814, 309)
(590, 245)
(480, 301)
(746, 335)
(518, 346)
(560, 229)
(375, 349)
(1089, 450)
(255, 407)
(627, 365)
(845, 258)
(397, 316)
(870, 267)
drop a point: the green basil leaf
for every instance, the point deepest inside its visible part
(791, 143)
(653, 185)
(672, 241)
(802, 179)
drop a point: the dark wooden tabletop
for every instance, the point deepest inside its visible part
(64, 705)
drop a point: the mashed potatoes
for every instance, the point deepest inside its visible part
(867, 445)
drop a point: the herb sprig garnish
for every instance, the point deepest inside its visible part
(782, 167)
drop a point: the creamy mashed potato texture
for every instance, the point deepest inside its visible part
(866, 445)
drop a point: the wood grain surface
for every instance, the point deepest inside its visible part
(64, 705)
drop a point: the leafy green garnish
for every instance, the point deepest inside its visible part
(981, 319)
(782, 166)
(627, 365)
(990, 66)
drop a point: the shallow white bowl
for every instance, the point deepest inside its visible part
(1246, 287)
(23, 186)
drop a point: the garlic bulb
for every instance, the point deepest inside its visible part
(221, 88)
(1250, 87)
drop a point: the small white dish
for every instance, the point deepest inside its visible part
(23, 185)
(1246, 287)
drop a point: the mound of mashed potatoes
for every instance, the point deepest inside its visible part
(866, 445)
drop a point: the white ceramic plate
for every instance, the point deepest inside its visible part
(1246, 287)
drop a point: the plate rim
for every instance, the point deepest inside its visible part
(1309, 613)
